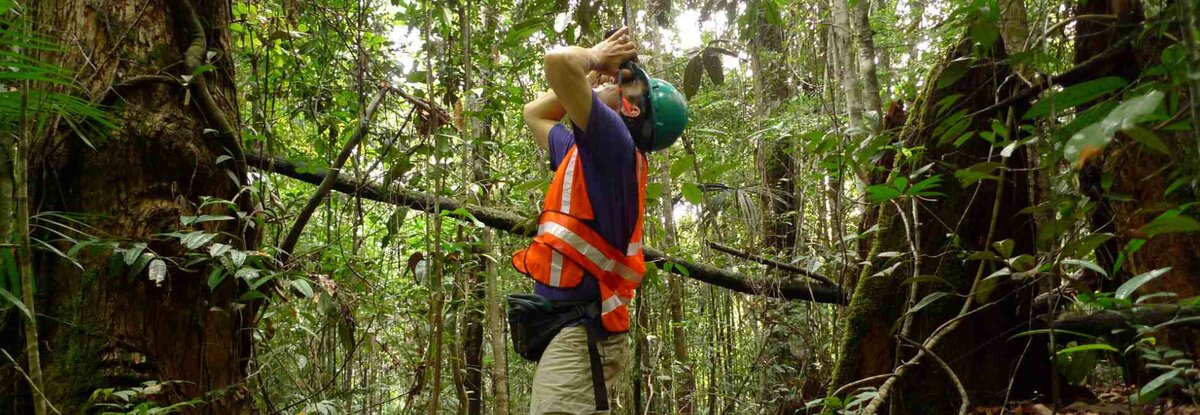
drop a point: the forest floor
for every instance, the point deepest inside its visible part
(1108, 401)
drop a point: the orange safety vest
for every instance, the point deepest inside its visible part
(565, 246)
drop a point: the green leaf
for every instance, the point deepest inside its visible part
(1005, 247)
(653, 191)
(1170, 222)
(1056, 333)
(132, 253)
(682, 165)
(303, 287)
(926, 187)
(925, 302)
(215, 277)
(140, 264)
(1156, 386)
(251, 295)
(1127, 289)
(1094, 138)
(881, 193)
(1085, 347)
(1020, 263)
(520, 32)
(15, 301)
(1149, 139)
(683, 270)
(1075, 95)
(1086, 264)
(1084, 246)
(692, 193)
(192, 220)
(953, 72)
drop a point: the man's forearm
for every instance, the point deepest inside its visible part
(545, 107)
(571, 61)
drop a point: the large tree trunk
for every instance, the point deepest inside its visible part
(1136, 170)
(102, 328)
(879, 300)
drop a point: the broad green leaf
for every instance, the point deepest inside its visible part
(1085, 264)
(1084, 246)
(692, 193)
(1023, 262)
(215, 277)
(653, 191)
(953, 72)
(881, 193)
(1085, 347)
(520, 32)
(1149, 139)
(1092, 140)
(1075, 95)
(1127, 289)
(1170, 222)
(681, 165)
(1156, 386)
(1005, 247)
(925, 302)
(303, 287)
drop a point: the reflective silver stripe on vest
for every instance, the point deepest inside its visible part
(568, 181)
(611, 303)
(589, 251)
(633, 248)
(555, 268)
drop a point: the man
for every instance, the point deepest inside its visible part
(588, 248)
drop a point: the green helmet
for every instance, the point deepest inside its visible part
(668, 113)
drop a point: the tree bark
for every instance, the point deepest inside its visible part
(102, 328)
(844, 53)
(474, 292)
(878, 301)
(685, 385)
(495, 314)
(866, 64)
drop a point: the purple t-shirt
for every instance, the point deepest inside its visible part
(610, 171)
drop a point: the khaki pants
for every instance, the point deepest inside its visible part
(562, 383)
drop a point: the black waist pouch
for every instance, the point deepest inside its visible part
(533, 321)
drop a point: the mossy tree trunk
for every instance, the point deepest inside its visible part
(958, 224)
(99, 327)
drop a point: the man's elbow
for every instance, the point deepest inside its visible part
(529, 112)
(556, 58)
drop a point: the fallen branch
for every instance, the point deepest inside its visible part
(326, 183)
(770, 262)
(526, 226)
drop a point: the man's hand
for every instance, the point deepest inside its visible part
(609, 54)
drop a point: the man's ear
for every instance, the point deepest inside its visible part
(628, 109)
